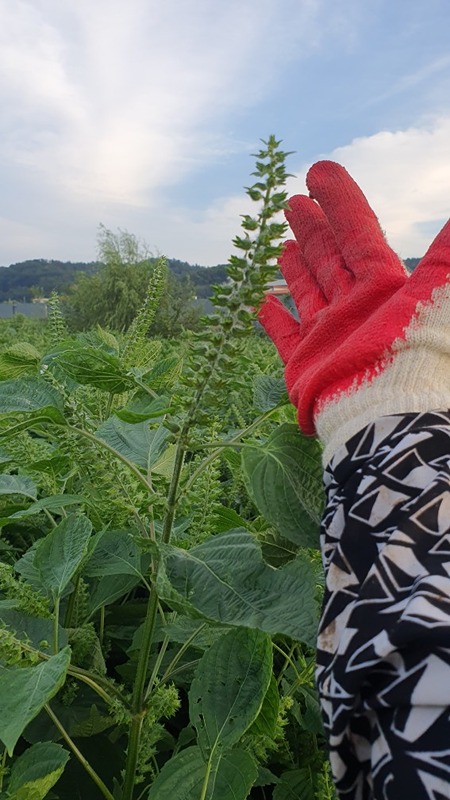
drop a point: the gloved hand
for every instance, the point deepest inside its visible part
(371, 340)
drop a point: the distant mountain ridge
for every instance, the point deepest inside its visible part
(39, 277)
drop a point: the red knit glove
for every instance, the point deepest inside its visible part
(371, 340)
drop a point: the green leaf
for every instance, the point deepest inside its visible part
(225, 519)
(25, 691)
(59, 555)
(164, 374)
(110, 588)
(225, 580)
(92, 366)
(164, 465)
(276, 550)
(33, 629)
(229, 687)
(53, 503)
(17, 360)
(31, 395)
(284, 479)
(266, 721)
(5, 457)
(142, 407)
(102, 336)
(269, 392)
(183, 777)
(138, 443)
(295, 785)
(310, 719)
(38, 769)
(80, 718)
(114, 553)
(182, 628)
(18, 484)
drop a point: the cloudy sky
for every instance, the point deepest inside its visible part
(143, 115)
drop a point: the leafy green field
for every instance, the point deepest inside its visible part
(160, 580)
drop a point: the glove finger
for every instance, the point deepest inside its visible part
(434, 268)
(318, 246)
(356, 228)
(305, 291)
(280, 325)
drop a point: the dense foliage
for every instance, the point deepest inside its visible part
(113, 295)
(38, 278)
(159, 577)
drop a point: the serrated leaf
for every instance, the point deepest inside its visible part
(310, 719)
(18, 484)
(226, 580)
(284, 479)
(164, 465)
(229, 687)
(296, 785)
(226, 519)
(31, 396)
(108, 589)
(183, 629)
(183, 777)
(35, 771)
(33, 629)
(19, 359)
(92, 366)
(53, 503)
(114, 553)
(269, 392)
(266, 721)
(141, 407)
(164, 374)
(61, 552)
(5, 457)
(107, 338)
(24, 692)
(138, 443)
(276, 550)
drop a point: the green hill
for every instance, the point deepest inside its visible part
(39, 277)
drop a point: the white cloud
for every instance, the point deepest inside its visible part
(406, 178)
(106, 103)
(114, 98)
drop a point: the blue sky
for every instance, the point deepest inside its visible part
(143, 115)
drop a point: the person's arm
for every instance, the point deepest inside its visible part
(370, 339)
(367, 365)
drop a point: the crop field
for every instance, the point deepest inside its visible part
(160, 578)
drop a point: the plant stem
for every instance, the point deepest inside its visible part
(101, 627)
(158, 662)
(173, 488)
(181, 651)
(56, 625)
(222, 445)
(288, 659)
(139, 693)
(102, 444)
(109, 405)
(206, 781)
(138, 699)
(2, 767)
(83, 761)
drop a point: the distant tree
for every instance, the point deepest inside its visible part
(18, 280)
(177, 309)
(112, 296)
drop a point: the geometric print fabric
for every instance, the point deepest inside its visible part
(383, 662)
